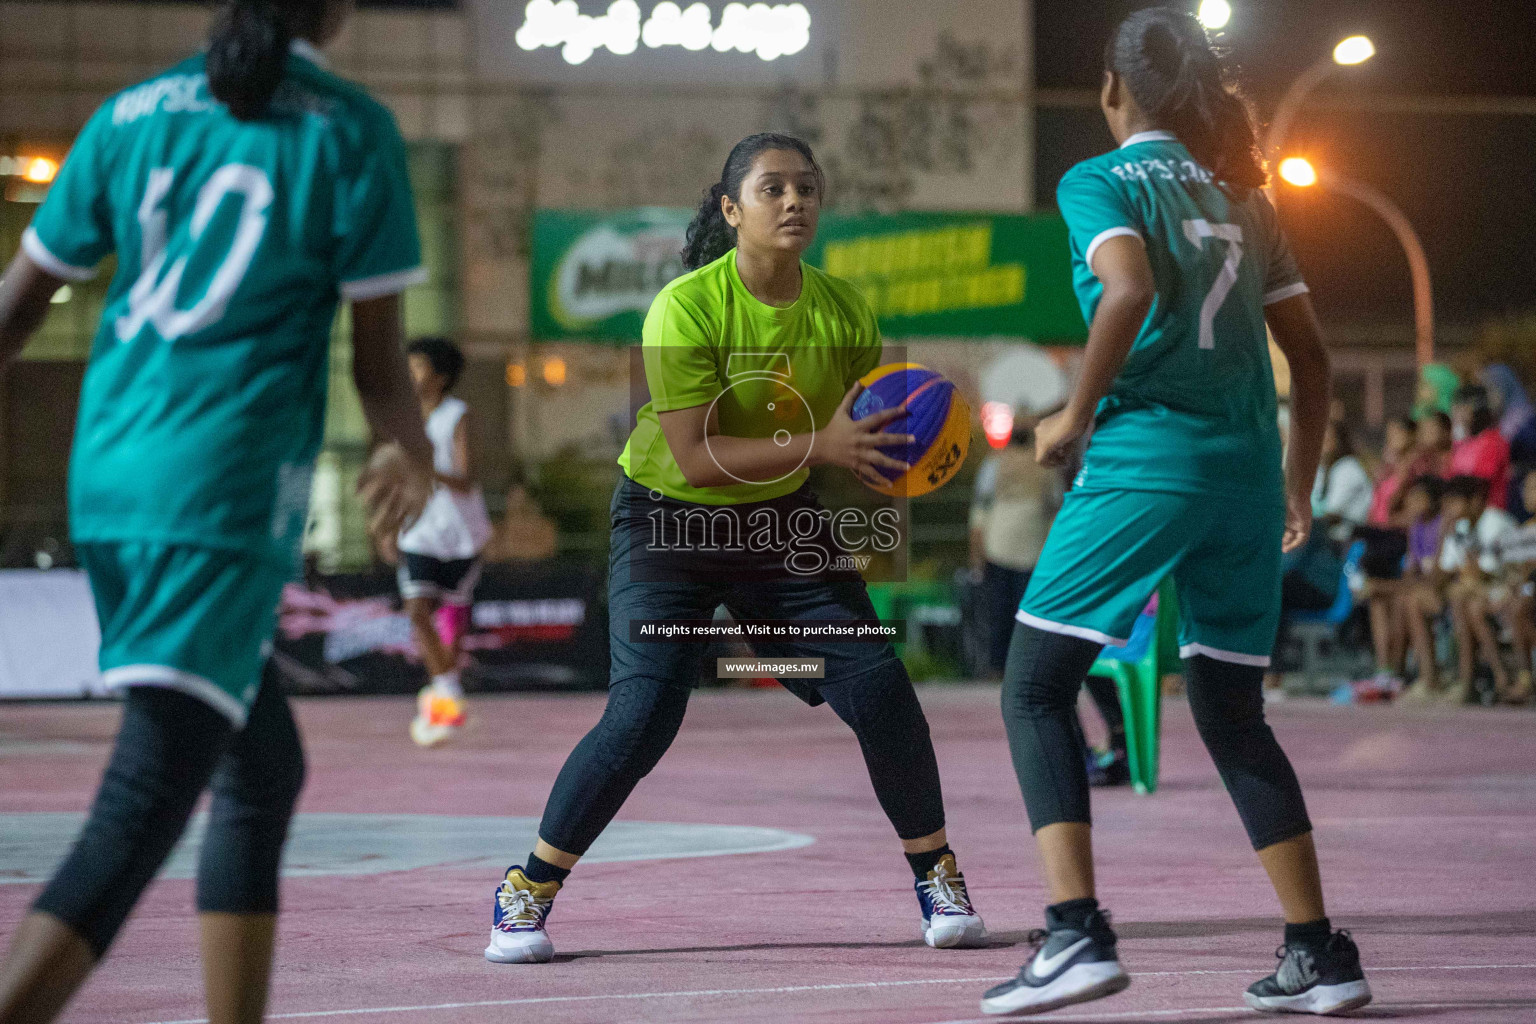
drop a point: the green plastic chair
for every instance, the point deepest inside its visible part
(1138, 669)
(894, 601)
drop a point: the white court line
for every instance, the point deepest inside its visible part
(1111, 1015)
(780, 990)
(787, 989)
(1142, 1014)
(1373, 970)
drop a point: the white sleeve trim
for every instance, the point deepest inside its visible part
(1231, 657)
(1104, 236)
(1289, 291)
(1081, 632)
(34, 247)
(170, 678)
(383, 284)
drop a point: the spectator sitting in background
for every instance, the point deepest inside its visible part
(1517, 608)
(1398, 455)
(1341, 496)
(1511, 405)
(1421, 599)
(1474, 534)
(1389, 594)
(1432, 455)
(1437, 384)
(1341, 501)
(1480, 449)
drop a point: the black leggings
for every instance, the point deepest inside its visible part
(643, 716)
(170, 748)
(1106, 697)
(1040, 688)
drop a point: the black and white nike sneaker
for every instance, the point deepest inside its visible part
(1316, 979)
(1070, 965)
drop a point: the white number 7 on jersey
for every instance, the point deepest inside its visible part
(1197, 231)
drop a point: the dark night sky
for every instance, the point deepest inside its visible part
(1468, 182)
(1425, 46)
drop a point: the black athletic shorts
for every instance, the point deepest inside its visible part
(451, 582)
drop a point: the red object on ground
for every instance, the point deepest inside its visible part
(1426, 820)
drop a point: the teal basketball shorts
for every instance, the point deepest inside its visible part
(1108, 550)
(193, 619)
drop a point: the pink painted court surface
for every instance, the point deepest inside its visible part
(1426, 821)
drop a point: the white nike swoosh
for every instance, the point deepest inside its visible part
(1045, 966)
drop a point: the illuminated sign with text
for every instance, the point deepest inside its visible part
(770, 31)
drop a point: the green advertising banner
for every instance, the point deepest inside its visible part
(594, 273)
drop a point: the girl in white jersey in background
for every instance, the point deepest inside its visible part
(440, 551)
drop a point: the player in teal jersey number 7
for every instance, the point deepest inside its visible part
(244, 192)
(1180, 265)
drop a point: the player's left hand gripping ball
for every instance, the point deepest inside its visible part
(937, 415)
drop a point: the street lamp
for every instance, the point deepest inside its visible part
(1300, 173)
(1350, 52)
(1214, 14)
(1354, 50)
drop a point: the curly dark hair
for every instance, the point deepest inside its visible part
(446, 358)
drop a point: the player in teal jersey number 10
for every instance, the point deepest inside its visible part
(1179, 265)
(244, 191)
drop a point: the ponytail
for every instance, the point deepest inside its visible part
(248, 50)
(1168, 67)
(709, 235)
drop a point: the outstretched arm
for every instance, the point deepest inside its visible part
(25, 291)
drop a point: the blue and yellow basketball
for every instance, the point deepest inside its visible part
(937, 415)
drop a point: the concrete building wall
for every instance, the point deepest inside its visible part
(930, 112)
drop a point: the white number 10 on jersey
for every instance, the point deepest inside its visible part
(1197, 231)
(152, 299)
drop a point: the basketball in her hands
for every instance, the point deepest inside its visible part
(937, 415)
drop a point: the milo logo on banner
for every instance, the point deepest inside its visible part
(595, 273)
(608, 272)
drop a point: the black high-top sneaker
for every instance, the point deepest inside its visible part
(1313, 979)
(1070, 965)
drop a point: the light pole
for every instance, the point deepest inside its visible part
(1350, 52)
(1301, 174)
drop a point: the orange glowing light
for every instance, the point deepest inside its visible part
(517, 375)
(1298, 171)
(554, 371)
(40, 170)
